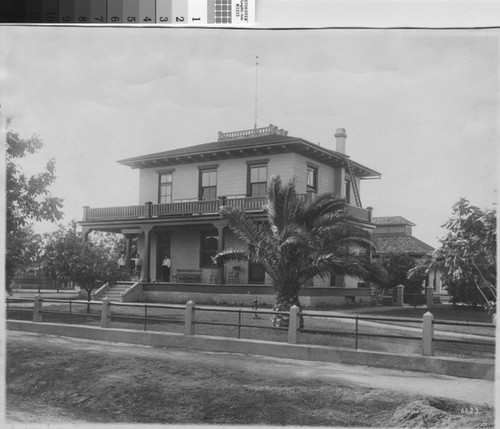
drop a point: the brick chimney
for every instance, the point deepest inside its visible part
(340, 137)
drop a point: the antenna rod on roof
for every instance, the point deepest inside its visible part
(256, 88)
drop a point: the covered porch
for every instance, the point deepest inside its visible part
(189, 232)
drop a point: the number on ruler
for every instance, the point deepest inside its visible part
(163, 18)
(179, 19)
(66, 18)
(147, 19)
(82, 19)
(131, 19)
(115, 19)
(99, 18)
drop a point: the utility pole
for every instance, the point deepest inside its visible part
(256, 87)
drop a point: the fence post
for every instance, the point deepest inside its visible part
(106, 313)
(427, 334)
(293, 324)
(429, 293)
(189, 327)
(37, 308)
(400, 295)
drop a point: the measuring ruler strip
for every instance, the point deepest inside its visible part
(164, 12)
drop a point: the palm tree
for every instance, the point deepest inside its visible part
(300, 240)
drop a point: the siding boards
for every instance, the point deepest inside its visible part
(232, 176)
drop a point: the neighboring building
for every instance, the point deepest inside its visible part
(393, 234)
(181, 191)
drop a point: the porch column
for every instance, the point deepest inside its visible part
(221, 228)
(128, 254)
(85, 234)
(146, 260)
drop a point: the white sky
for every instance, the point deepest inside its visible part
(421, 107)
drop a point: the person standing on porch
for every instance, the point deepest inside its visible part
(121, 262)
(165, 268)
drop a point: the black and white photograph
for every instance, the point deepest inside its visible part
(249, 226)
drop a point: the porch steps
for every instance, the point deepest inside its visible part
(114, 293)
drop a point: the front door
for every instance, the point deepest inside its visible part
(256, 273)
(162, 250)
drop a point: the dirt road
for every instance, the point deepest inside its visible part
(76, 380)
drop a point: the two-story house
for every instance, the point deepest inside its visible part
(181, 191)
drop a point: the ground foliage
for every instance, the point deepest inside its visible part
(466, 259)
(397, 266)
(28, 200)
(301, 239)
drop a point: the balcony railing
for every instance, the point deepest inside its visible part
(207, 207)
(185, 208)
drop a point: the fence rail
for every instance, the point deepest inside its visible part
(152, 313)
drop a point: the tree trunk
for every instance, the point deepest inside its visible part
(285, 299)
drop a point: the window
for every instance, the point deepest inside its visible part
(257, 183)
(208, 185)
(312, 179)
(165, 188)
(348, 191)
(208, 247)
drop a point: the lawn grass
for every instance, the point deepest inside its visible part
(461, 313)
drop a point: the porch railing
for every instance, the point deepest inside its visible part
(107, 213)
(246, 203)
(192, 208)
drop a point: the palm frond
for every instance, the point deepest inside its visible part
(323, 265)
(245, 228)
(230, 254)
(281, 199)
(323, 207)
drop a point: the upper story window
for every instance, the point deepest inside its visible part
(257, 180)
(208, 184)
(312, 178)
(165, 187)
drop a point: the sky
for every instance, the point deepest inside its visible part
(419, 106)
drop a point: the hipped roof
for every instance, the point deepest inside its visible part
(400, 244)
(391, 220)
(244, 147)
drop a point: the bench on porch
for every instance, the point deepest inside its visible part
(187, 276)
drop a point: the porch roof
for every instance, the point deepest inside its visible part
(243, 147)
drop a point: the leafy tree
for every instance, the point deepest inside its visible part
(88, 264)
(299, 241)
(397, 266)
(24, 252)
(467, 256)
(28, 199)
(114, 243)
